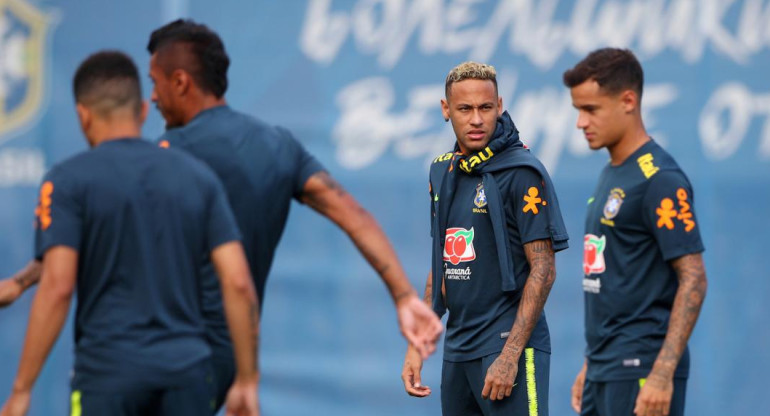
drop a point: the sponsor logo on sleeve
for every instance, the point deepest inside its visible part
(43, 210)
(667, 213)
(532, 199)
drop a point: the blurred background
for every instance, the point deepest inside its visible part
(359, 84)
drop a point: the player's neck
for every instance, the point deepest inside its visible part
(113, 130)
(627, 145)
(203, 103)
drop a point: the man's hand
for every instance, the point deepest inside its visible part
(577, 389)
(10, 290)
(498, 383)
(655, 396)
(242, 399)
(411, 374)
(419, 324)
(16, 405)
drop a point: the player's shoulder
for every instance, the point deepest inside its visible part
(655, 164)
(73, 168)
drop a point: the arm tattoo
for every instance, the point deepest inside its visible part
(29, 276)
(542, 274)
(684, 313)
(316, 199)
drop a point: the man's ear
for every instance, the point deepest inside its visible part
(629, 100)
(181, 81)
(445, 109)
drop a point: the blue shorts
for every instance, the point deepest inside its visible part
(618, 398)
(194, 399)
(462, 383)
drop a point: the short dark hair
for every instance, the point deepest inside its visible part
(615, 70)
(107, 81)
(206, 60)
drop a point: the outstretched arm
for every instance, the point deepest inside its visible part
(12, 287)
(47, 316)
(501, 374)
(655, 396)
(419, 324)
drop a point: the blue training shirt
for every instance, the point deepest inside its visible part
(481, 314)
(141, 219)
(262, 168)
(640, 217)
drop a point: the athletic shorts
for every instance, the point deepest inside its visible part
(462, 383)
(618, 398)
(195, 399)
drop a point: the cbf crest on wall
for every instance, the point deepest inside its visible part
(23, 35)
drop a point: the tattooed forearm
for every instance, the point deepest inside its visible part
(542, 275)
(29, 275)
(684, 313)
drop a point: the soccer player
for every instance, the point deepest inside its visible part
(495, 225)
(644, 277)
(126, 224)
(262, 168)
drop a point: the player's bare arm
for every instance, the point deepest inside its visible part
(655, 395)
(13, 287)
(47, 317)
(498, 383)
(419, 324)
(242, 311)
(411, 373)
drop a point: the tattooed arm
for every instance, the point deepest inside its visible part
(12, 287)
(418, 323)
(242, 312)
(498, 383)
(655, 395)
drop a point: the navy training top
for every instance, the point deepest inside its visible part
(481, 314)
(141, 219)
(262, 168)
(640, 217)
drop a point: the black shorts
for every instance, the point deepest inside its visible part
(618, 398)
(462, 383)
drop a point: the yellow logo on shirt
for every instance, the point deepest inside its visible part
(532, 199)
(646, 165)
(667, 214)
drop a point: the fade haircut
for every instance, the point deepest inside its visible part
(194, 48)
(108, 81)
(470, 70)
(615, 70)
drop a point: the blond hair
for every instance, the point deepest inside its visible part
(470, 70)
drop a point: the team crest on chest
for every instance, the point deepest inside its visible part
(481, 197)
(613, 204)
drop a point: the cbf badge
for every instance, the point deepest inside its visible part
(23, 33)
(614, 201)
(481, 197)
